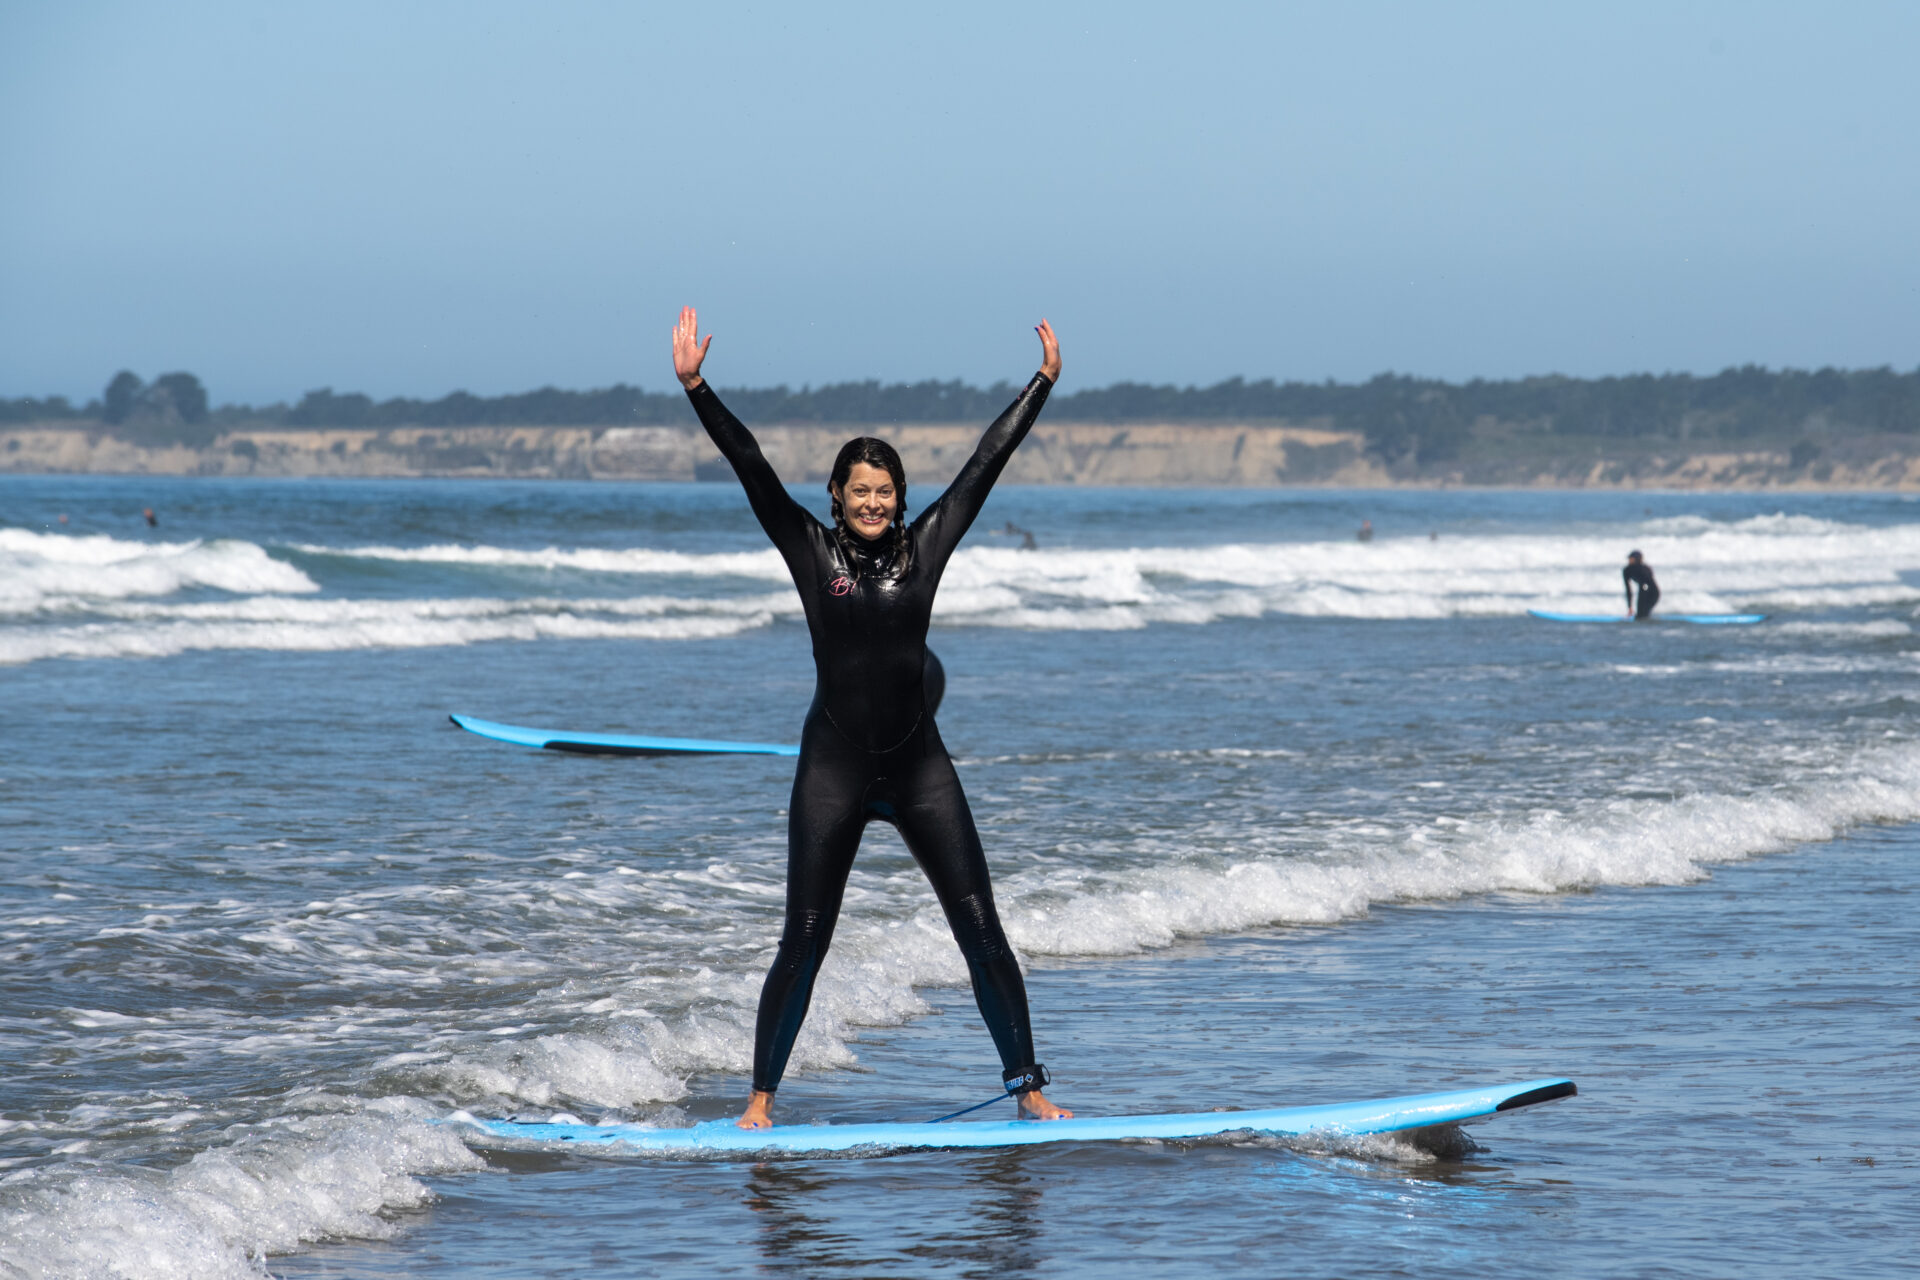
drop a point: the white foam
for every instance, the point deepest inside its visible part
(44, 572)
(102, 598)
(1773, 524)
(617, 1069)
(217, 1216)
(1772, 562)
(764, 564)
(1624, 843)
(148, 630)
(1878, 627)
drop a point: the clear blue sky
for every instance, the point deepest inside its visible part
(408, 198)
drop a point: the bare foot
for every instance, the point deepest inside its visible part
(759, 1113)
(1034, 1106)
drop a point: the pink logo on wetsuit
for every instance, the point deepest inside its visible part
(840, 586)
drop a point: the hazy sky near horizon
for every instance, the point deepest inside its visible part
(406, 199)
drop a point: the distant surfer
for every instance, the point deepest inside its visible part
(1639, 573)
(1013, 530)
(1365, 533)
(153, 521)
(869, 748)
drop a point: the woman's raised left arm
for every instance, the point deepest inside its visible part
(949, 518)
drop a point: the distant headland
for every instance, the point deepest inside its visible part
(1742, 428)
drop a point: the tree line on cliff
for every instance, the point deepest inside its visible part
(1402, 417)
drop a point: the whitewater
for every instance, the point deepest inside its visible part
(101, 596)
(271, 919)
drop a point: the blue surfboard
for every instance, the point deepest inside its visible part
(721, 1137)
(1698, 619)
(616, 744)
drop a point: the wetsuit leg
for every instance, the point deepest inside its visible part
(933, 818)
(1649, 597)
(824, 824)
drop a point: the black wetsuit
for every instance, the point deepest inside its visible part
(869, 748)
(1649, 589)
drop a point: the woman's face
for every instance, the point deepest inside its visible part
(869, 500)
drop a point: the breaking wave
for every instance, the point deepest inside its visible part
(74, 596)
(52, 573)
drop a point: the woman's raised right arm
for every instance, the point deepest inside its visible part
(784, 519)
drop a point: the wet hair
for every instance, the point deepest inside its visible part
(1633, 555)
(875, 453)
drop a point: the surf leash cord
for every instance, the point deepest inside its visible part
(1034, 1077)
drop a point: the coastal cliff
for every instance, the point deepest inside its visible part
(1172, 454)
(1743, 428)
(1058, 453)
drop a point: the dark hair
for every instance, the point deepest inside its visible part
(875, 453)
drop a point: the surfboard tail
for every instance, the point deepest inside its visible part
(1532, 1097)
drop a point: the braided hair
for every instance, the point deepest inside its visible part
(875, 453)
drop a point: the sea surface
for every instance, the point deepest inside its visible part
(1275, 816)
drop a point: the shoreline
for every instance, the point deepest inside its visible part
(1151, 455)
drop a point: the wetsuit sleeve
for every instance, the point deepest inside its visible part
(784, 519)
(1626, 578)
(949, 518)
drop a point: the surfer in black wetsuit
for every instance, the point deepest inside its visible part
(1638, 571)
(869, 748)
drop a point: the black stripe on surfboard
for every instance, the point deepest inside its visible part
(602, 749)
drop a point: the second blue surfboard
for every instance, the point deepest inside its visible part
(1698, 619)
(616, 744)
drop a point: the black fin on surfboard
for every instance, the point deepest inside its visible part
(1565, 1089)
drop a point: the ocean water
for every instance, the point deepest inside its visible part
(1274, 816)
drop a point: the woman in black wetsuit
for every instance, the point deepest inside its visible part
(869, 748)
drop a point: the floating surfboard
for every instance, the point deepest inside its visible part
(716, 1137)
(616, 744)
(1698, 619)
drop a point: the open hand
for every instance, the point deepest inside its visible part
(1049, 351)
(689, 352)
